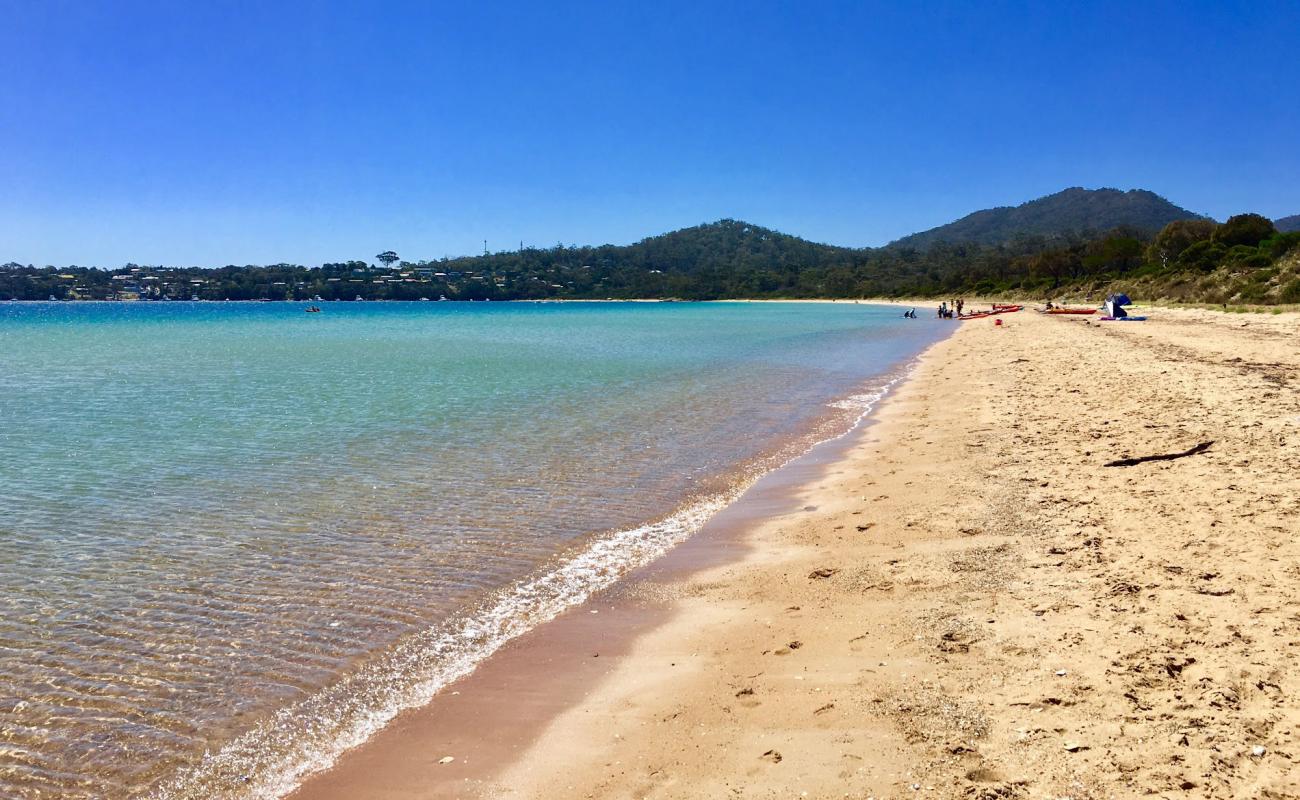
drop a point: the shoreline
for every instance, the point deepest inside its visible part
(514, 694)
(270, 752)
(970, 601)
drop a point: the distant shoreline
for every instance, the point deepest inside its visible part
(1059, 247)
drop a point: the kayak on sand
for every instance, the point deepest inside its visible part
(997, 309)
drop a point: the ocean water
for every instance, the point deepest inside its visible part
(235, 539)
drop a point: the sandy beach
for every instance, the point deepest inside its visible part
(972, 599)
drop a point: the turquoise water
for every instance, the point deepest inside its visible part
(248, 531)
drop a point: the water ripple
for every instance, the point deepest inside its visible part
(234, 531)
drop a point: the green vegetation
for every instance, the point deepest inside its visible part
(1243, 260)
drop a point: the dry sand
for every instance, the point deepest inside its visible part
(971, 603)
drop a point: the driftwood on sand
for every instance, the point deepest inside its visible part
(1128, 462)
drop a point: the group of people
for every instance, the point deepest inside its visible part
(952, 308)
(948, 309)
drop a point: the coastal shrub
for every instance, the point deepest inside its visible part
(1244, 229)
(1249, 292)
(1203, 256)
(1239, 252)
(1291, 292)
(1248, 257)
(1281, 244)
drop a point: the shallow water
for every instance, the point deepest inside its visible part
(248, 531)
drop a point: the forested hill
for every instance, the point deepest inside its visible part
(1245, 259)
(727, 244)
(1288, 224)
(727, 258)
(1073, 211)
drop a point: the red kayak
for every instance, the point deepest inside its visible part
(997, 309)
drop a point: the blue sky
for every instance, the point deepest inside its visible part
(248, 132)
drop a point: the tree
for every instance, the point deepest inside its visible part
(1247, 229)
(387, 257)
(1054, 264)
(1176, 237)
(1117, 253)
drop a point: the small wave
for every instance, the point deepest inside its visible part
(272, 759)
(858, 402)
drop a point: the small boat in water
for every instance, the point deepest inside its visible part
(312, 309)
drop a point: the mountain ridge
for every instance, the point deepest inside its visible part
(730, 258)
(1075, 210)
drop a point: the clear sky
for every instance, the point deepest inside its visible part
(206, 133)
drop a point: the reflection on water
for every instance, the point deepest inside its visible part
(240, 529)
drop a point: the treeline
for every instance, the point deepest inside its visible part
(726, 259)
(1243, 260)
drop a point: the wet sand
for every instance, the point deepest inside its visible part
(966, 602)
(493, 715)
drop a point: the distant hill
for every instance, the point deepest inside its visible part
(1071, 211)
(1081, 241)
(1288, 224)
(725, 244)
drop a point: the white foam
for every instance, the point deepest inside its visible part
(272, 759)
(858, 402)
